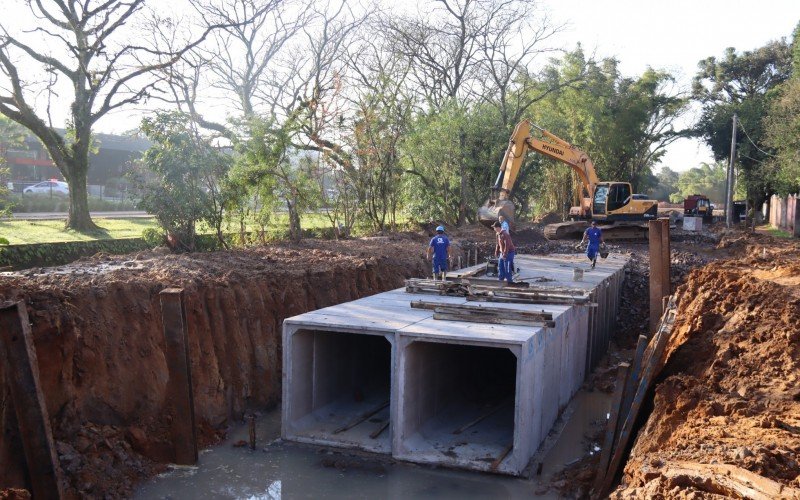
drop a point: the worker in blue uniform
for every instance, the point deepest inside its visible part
(595, 237)
(439, 249)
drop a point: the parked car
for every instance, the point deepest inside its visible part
(57, 188)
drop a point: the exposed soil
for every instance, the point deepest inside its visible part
(97, 330)
(730, 394)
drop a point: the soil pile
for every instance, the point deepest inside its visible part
(727, 411)
(98, 336)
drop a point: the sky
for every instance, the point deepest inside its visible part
(671, 35)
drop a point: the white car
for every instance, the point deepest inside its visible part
(58, 188)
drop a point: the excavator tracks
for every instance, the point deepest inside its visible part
(575, 229)
(565, 230)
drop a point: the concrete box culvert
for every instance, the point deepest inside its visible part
(461, 394)
(342, 390)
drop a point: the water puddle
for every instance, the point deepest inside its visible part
(286, 470)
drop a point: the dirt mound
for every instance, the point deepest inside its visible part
(99, 341)
(730, 393)
(548, 218)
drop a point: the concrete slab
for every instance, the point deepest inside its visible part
(460, 393)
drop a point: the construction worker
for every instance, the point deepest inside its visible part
(595, 236)
(504, 223)
(504, 251)
(439, 249)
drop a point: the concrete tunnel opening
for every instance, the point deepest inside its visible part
(340, 388)
(458, 403)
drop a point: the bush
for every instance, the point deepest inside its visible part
(55, 254)
(153, 237)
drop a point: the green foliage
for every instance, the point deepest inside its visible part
(182, 184)
(744, 84)
(382, 119)
(154, 237)
(445, 147)
(782, 130)
(796, 50)
(624, 124)
(12, 135)
(667, 184)
(54, 254)
(706, 179)
(264, 176)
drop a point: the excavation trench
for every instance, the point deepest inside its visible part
(98, 336)
(98, 333)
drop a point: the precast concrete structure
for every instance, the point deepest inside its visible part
(376, 374)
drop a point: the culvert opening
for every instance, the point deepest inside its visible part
(458, 403)
(340, 389)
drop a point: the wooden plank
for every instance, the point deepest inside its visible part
(633, 379)
(494, 282)
(651, 368)
(21, 371)
(492, 320)
(364, 416)
(554, 301)
(611, 427)
(531, 290)
(477, 309)
(180, 396)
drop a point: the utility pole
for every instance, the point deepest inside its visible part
(729, 185)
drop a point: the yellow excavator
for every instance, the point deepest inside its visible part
(613, 205)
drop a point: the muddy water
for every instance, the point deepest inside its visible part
(287, 470)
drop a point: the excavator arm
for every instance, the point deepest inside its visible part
(549, 145)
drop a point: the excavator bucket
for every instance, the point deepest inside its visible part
(488, 213)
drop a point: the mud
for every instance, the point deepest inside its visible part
(730, 392)
(97, 331)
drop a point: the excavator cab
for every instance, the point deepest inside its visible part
(610, 197)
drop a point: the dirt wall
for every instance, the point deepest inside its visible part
(726, 413)
(98, 336)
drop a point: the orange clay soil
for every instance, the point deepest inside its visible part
(726, 412)
(97, 331)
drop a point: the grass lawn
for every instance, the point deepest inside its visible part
(778, 233)
(49, 231)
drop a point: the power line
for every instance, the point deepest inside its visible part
(753, 143)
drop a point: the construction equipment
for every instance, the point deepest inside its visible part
(612, 203)
(698, 205)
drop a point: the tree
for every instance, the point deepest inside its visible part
(445, 151)
(706, 179)
(86, 45)
(782, 128)
(624, 124)
(184, 179)
(667, 184)
(12, 135)
(742, 84)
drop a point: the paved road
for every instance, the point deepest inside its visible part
(63, 215)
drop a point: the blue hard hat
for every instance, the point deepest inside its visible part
(440, 228)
